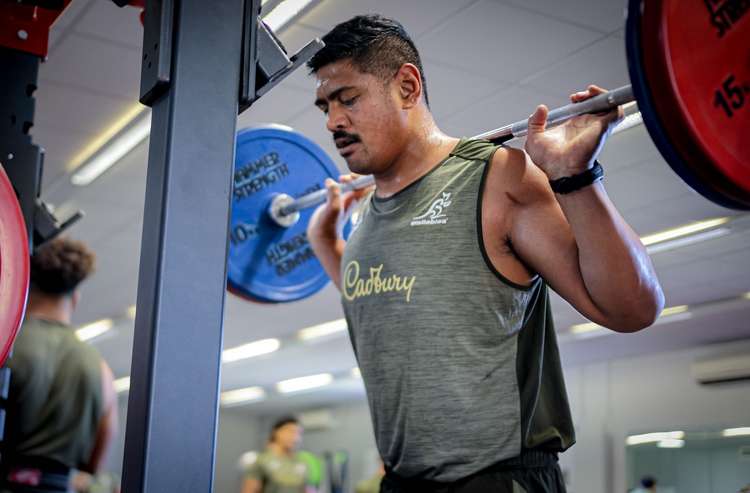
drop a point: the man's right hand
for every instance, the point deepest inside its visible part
(326, 219)
(323, 230)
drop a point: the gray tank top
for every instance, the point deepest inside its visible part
(461, 365)
(55, 400)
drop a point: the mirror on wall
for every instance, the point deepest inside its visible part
(682, 461)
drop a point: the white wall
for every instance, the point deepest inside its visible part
(653, 393)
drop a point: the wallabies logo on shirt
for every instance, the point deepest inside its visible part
(436, 213)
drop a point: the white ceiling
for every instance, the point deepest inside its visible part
(487, 62)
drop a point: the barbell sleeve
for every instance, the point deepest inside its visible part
(597, 104)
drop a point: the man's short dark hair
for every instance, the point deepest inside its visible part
(58, 267)
(283, 421)
(375, 45)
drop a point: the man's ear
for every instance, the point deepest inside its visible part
(409, 83)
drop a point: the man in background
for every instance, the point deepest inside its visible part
(279, 469)
(61, 403)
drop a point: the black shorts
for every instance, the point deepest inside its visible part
(34, 475)
(532, 472)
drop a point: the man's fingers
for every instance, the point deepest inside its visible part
(331, 185)
(348, 177)
(615, 116)
(538, 119)
(590, 92)
(609, 117)
(358, 193)
(579, 96)
(338, 201)
(334, 194)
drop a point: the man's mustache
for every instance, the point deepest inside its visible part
(343, 139)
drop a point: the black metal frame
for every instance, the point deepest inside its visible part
(202, 64)
(157, 54)
(21, 158)
(172, 412)
(265, 61)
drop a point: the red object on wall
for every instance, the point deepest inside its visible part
(26, 27)
(142, 5)
(14, 266)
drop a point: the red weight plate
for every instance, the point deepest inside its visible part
(658, 107)
(707, 53)
(14, 266)
(700, 81)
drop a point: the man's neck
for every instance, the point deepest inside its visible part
(54, 310)
(279, 450)
(427, 147)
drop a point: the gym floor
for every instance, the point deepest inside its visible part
(478, 78)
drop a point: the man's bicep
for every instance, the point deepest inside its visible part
(108, 422)
(543, 239)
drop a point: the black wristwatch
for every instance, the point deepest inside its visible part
(568, 184)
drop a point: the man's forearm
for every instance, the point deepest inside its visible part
(615, 266)
(329, 253)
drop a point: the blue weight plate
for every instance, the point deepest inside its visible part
(267, 262)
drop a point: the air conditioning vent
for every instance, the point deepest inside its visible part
(720, 369)
(317, 420)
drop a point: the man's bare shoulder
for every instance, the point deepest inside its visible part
(514, 176)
